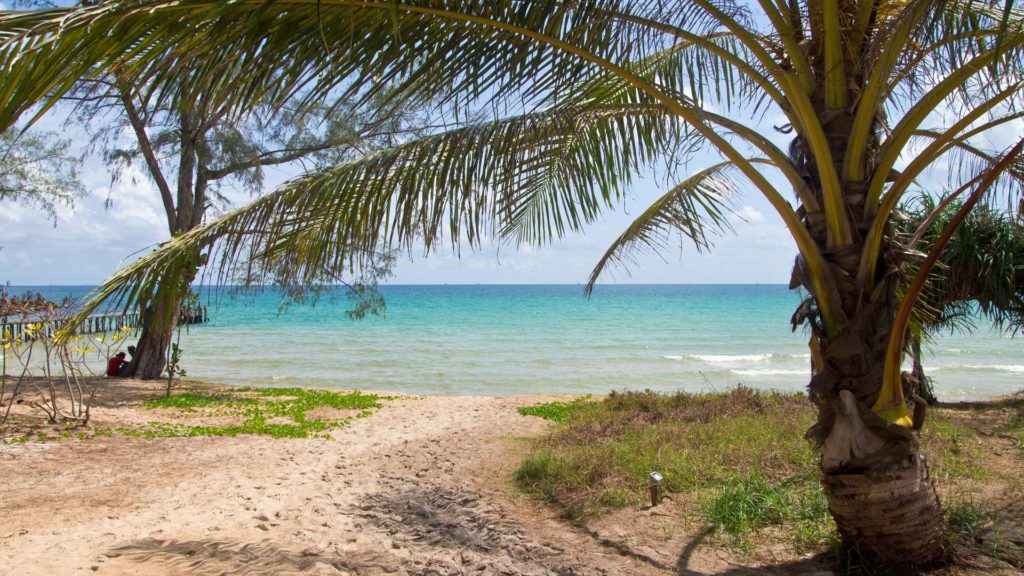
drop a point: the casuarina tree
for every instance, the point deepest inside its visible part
(551, 108)
(38, 169)
(194, 154)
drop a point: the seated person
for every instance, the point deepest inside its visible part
(116, 365)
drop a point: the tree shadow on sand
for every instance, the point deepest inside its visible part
(233, 557)
(457, 531)
(818, 564)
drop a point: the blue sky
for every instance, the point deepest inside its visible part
(91, 241)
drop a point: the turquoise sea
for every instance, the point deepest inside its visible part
(521, 339)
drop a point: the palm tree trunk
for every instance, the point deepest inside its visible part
(922, 386)
(874, 477)
(891, 512)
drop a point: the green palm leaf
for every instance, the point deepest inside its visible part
(527, 178)
(695, 209)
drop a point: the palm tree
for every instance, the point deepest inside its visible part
(551, 107)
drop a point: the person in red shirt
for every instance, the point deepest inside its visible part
(115, 363)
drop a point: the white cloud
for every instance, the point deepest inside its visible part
(747, 214)
(88, 243)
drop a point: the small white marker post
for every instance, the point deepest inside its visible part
(656, 479)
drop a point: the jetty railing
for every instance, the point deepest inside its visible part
(94, 324)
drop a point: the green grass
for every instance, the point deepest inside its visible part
(275, 412)
(953, 448)
(735, 461)
(739, 455)
(966, 518)
(261, 411)
(1016, 430)
(745, 505)
(555, 411)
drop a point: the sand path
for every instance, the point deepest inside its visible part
(421, 487)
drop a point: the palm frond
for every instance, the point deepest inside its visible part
(529, 178)
(254, 50)
(695, 209)
(980, 272)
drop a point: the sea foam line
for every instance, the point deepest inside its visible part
(1014, 368)
(771, 372)
(720, 358)
(733, 358)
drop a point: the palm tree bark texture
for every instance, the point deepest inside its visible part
(550, 109)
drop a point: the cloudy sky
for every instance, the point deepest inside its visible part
(92, 240)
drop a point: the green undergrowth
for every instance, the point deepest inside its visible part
(741, 507)
(965, 517)
(275, 412)
(736, 460)
(554, 411)
(1017, 431)
(952, 449)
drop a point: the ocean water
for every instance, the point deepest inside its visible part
(522, 339)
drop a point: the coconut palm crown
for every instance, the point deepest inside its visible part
(550, 108)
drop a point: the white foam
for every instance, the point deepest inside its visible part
(1013, 368)
(678, 358)
(772, 372)
(723, 358)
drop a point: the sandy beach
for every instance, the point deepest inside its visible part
(423, 486)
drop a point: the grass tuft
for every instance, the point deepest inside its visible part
(965, 518)
(275, 412)
(954, 447)
(555, 411)
(745, 505)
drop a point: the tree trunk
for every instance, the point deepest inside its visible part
(890, 512)
(158, 323)
(874, 476)
(922, 385)
(161, 315)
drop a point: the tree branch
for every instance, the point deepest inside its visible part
(273, 158)
(147, 152)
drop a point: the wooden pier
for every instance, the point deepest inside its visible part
(95, 324)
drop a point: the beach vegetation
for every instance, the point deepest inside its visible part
(53, 375)
(732, 465)
(37, 169)
(205, 411)
(554, 411)
(729, 458)
(966, 517)
(275, 412)
(978, 276)
(544, 113)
